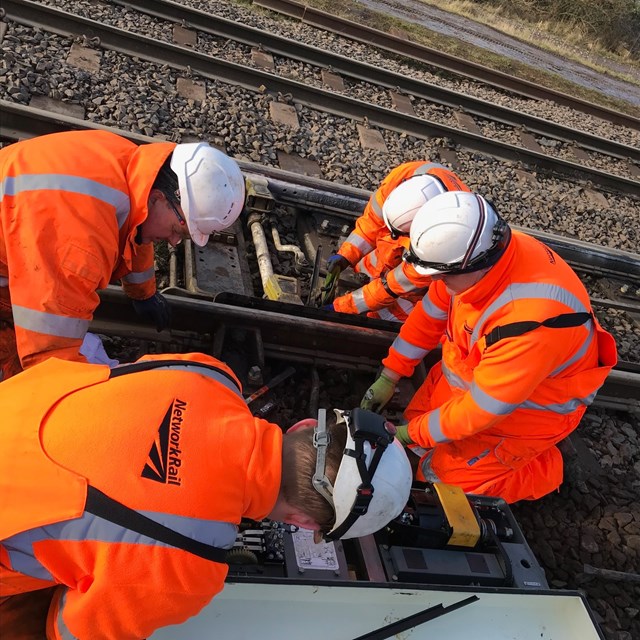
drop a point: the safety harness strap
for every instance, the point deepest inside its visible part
(387, 288)
(101, 505)
(514, 329)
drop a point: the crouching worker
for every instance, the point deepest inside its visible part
(522, 353)
(121, 490)
(381, 234)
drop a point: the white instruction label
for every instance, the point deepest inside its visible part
(314, 556)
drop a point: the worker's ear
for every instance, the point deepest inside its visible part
(303, 424)
(302, 520)
(155, 195)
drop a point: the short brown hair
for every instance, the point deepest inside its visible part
(299, 456)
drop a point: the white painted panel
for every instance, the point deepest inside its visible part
(268, 611)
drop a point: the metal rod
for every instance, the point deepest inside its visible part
(315, 392)
(301, 259)
(413, 621)
(609, 574)
(313, 284)
(281, 377)
(262, 251)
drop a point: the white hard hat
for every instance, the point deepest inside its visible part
(402, 204)
(212, 188)
(371, 488)
(456, 232)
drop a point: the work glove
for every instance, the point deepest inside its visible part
(402, 434)
(378, 394)
(156, 309)
(328, 307)
(336, 264)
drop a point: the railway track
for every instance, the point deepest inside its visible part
(335, 362)
(208, 67)
(338, 339)
(403, 46)
(362, 72)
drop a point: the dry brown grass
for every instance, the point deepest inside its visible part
(352, 10)
(564, 39)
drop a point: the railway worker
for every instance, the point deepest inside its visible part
(375, 246)
(522, 353)
(80, 209)
(96, 462)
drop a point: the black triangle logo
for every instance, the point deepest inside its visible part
(155, 467)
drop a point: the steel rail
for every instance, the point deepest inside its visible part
(297, 336)
(49, 19)
(316, 338)
(285, 47)
(408, 49)
(292, 189)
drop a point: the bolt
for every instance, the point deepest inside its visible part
(255, 375)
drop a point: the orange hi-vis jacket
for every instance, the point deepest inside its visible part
(70, 205)
(177, 444)
(490, 413)
(395, 286)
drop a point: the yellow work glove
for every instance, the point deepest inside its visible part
(402, 434)
(378, 394)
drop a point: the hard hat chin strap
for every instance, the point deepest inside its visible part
(364, 426)
(321, 440)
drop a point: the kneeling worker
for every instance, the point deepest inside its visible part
(375, 247)
(122, 490)
(522, 353)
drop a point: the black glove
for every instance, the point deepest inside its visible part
(336, 264)
(155, 309)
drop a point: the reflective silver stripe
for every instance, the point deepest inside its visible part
(359, 242)
(195, 367)
(4, 282)
(405, 305)
(408, 350)
(375, 205)
(490, 404)
(563, 408)
(385, 314)
(63, 630)
(524, 291)
(432, 310)
(579, 353)
(435, 429)
(49, 323)
(417, 450)
(20, 550)
(425, 168)
(358, 300)
(403, 282)
(454, 379)
(362, 266)
(91, 527)
(427, 471)
(138, 277)
(12, 186)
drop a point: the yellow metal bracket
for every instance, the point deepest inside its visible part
(462, 519)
